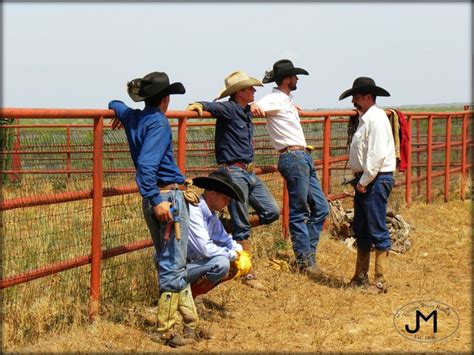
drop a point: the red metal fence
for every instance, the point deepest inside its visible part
(440, 148)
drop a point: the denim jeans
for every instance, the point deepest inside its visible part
(308, 204)
(370, 213)
(172, 272)
(215, 269)
(256, 195)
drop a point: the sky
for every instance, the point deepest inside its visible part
(81, 55)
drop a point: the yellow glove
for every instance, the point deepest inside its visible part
(243, 263)
(196, 107)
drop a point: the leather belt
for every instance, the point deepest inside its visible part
(247, 167)
(173, 186)
(291, 148)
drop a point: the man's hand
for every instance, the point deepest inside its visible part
(360, 188)
(196, 106)
(162, 212)
(257, 111)
(116, 124)
(298, 108)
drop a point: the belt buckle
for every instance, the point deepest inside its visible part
(250, 167)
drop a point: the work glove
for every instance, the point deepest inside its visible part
(196, 106)
(243, 263)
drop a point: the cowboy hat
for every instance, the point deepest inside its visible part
(282, 69)
(220, 181)
(236, 81)
(152, 84)
(364, 85)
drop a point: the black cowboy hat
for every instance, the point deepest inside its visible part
(152, 84)
(281, 69)
(220, 181)
(364, 85)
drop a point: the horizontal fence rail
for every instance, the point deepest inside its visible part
(440, 146)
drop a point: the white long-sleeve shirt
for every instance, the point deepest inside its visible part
(283, 120)
(372, 148)
(207, 236)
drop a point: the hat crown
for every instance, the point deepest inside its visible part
(282, 64)
(221, 175)
(363, 81)
(156, 78)
(235, 78)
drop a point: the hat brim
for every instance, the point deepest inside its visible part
(271, 77)
(209, 183)
(238, 86)
(173, 89)
(374, 90)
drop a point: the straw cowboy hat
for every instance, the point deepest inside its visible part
(151, 85)
(220, 181)
(364, 85)
(236, 81)
(282, 69)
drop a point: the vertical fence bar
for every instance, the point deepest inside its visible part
(326, 153)
(68, 154)
(16, 160)
(447, 159)
(96, 245)
(182, 128)
(464, 155)
(285, 223)
(408, 171)
(418, 157)
(429, 159)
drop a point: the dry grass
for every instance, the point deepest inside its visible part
(298, 314)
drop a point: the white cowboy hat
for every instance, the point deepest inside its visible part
(236, 81)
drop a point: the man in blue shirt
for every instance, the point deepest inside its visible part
(160, 184)
(213, 256)
(234, 152)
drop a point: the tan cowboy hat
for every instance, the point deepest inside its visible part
(236, 81)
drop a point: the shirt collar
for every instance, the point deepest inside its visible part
(278, 91)
(151, 109)
(371, 108)
(246, 109)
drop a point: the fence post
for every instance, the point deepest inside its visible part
(285, 223)
(429, 159)
(182, 128)
(326, 153)
(418, 156)
(96, 245)
(68, 154)
(16, 159)
(447, 159)
(408, 171)
(464, 155)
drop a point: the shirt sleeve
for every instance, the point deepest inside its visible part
(376, 150)
(121, 110)
(217, 109)
(269, 105)
(155, 143)
(221, 237)
(199, 237)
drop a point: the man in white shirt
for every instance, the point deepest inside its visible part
(213, 256)
(308, 204)
(372, 159)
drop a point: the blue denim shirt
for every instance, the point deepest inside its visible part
(150, 140)
(234, 131)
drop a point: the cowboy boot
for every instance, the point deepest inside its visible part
(167, 316)
(201, 286)
(381, 267)
(251, 279)
(188, 311)
(361, 277)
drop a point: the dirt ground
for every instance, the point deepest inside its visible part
(297, 314)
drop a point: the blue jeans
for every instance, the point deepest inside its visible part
(370, 213)
(172, 272)
(308, 204)
(215, 269)
(256, 195)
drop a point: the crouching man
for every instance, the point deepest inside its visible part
(213, 256)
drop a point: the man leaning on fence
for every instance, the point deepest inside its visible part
(372, 159)
(235, 153)
(163, 200)
(308, 204)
